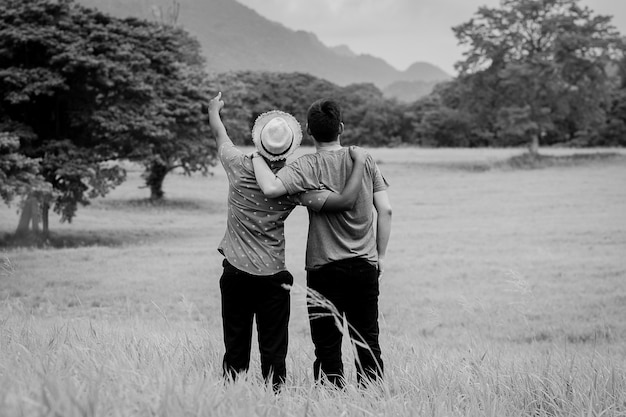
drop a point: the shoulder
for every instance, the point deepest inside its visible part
(229, 153)
(302, 163)
(307, 158)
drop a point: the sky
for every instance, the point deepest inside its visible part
(388, 28)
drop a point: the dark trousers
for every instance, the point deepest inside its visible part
(351, 286)
(244, 296)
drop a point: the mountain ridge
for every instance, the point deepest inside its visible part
(234, 37)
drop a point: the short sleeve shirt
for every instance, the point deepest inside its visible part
(334, 236)
(254, 241)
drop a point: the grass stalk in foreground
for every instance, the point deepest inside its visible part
(98, 368)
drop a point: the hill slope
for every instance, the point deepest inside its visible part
(235, 37)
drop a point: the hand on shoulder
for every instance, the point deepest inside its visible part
(357, 153)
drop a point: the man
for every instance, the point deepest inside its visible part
(255, 281)
(344, 256)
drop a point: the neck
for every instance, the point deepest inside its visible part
(328, 146)
(275, 166)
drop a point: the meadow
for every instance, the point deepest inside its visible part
(504, 295)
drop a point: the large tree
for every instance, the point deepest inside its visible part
(81, 89)
(179, 138)
(531, 65)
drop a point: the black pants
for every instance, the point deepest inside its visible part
(351, 285)
(244, 296)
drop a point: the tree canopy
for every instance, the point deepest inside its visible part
(537, 67)
(81, 90)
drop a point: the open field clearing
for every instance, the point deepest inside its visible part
(504, 295)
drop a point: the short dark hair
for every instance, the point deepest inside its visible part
(324, 120)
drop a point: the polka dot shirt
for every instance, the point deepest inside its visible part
(254, 241)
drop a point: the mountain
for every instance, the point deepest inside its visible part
(423, 71)
(235, 38)
(344, 50)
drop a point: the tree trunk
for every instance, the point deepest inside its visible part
(45, 211)
(30, 215)
(533, 146)
(156, 175)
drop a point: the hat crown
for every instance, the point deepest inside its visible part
(276, 136)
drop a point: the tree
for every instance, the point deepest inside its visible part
(179, 138)
(81, 90)
(19, 175)
(613, 133)
(533, 64)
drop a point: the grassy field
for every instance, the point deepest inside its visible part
(504, 295)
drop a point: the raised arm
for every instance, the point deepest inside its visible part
(265, 177)
(346, 199)
(383, 227)
(219, 130)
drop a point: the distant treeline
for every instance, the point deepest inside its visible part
(438, 120)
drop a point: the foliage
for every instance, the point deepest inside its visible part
(613, 133)
(175, 134)
(81, 89)
(535, 67)
(19, 174)
(370, 118)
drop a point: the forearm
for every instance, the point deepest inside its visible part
(269, 183)
(383, 232)
(383, 226)
(218, 128)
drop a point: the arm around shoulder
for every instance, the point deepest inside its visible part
(268, 182)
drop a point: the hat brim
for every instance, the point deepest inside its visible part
(262, 120)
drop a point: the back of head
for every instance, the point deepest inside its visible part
(324, 120)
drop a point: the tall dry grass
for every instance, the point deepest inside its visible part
(135, 367)
(504, 295)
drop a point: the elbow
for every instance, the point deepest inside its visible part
(386, 212)
(271, 192)
(271, 187)
(267, 189)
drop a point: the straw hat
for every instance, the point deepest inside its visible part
(276, 135)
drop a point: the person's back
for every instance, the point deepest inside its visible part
(254, 241)
(334, 236)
